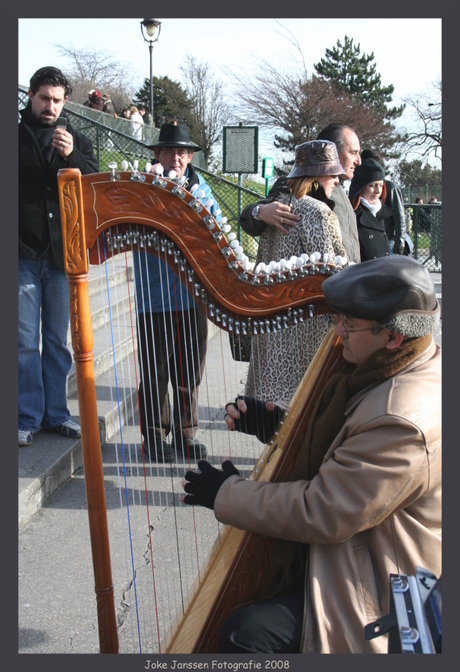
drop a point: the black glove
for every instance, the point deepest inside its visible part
(204, 486)
(257, 420)
(398, 249)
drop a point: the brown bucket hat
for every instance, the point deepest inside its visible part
(317, 157)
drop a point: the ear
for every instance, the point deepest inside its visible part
(156, 151)
(394, 341)
(190, 156)
(31, 95)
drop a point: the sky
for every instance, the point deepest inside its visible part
(407, 52)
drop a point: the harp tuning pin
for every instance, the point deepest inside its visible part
(311, 310)
(114, 176)
(226, 228)
(193, 188)
(212, 310)
(158, 169)
(148, 165)
(209, 203)
(197, 288)
(231, 236)
(124, 165)
(172, 174)
(200, 193)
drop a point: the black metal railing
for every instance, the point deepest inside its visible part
(117, 139)
(424, 226)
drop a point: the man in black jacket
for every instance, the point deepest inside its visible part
(47, 143)
(254, 218)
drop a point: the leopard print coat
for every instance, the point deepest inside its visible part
(279, 361)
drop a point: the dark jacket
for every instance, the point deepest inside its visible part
(39, 214)
(339, 202)
(373, 239)
(395, 224)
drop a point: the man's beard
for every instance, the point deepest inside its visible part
(46, 120)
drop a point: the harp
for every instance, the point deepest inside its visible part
(105, 214)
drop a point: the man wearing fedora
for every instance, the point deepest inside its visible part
(364, 497)
(172, 331)
(273, 212)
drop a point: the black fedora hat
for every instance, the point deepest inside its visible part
(172, 135)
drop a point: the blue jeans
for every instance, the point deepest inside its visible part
(43, 301)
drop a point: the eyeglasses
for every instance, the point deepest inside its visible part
(347, 331)
(170, 152)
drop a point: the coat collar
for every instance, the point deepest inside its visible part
(424, 357)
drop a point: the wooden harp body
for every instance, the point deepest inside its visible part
(129, 211)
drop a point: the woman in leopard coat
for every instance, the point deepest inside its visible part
(274, 372)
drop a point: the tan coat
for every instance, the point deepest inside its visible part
(375, 504)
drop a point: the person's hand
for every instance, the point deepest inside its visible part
(202, 488)
(253, 416)
(278, 215)
(63, 141)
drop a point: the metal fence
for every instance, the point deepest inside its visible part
(425, 192)
(117, 139)
(424, 226)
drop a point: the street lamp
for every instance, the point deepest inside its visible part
(151, 26)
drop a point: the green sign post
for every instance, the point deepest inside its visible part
(267, 170)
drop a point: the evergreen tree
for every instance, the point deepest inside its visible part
(415, 174)
(349, 71)
(170, 101)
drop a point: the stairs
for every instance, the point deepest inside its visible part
(51, 460)
(109, 348)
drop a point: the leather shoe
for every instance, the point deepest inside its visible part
(157, 449)
(190, 447)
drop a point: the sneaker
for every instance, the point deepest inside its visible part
(188, 446)
(158, 450)
(25, 437)
(68, 428)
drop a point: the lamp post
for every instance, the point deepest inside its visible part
(150, 26)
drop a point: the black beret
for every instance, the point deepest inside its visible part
(381, 288)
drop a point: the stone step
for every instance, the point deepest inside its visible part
(113, 411)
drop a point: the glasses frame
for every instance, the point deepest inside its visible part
(353, 331)
(181, 152)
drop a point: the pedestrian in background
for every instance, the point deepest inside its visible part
(47, 143)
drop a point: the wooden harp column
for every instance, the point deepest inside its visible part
(76, 267)
(129, 213)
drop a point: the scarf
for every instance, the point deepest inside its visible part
(373, 207)
(43, 132)
(288, 558)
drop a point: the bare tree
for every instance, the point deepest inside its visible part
(426, 138)
(96, 69)
(208, 110)
(298, 106)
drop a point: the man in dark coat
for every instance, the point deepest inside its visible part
(269, 211)
(47, 143)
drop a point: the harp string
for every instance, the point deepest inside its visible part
(152, 610)
(170, 302)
